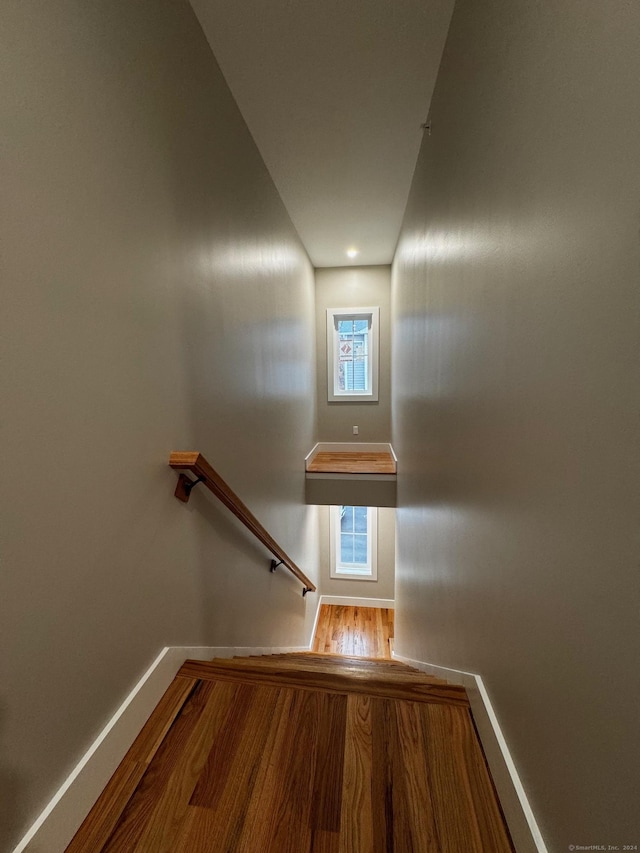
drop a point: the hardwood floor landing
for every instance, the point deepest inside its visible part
(352, 462)
(235, 767)
(357, 631)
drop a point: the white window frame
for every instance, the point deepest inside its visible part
(334, 315)
(340, 572)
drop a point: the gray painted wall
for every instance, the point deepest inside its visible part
(156, 297)
(354, 287)
(516, 293)
(383, 587)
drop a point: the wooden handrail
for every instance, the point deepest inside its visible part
(208, 476)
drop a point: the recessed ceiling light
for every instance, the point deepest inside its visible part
(351, 253)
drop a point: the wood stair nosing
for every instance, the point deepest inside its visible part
(338, 660)
(408, 676)
(327, 658)
(382, 685)
(333, 656)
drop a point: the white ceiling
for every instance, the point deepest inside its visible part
(334, 93)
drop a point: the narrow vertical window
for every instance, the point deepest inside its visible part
(353, 531)
(352, 354)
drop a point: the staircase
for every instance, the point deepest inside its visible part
(301, 752)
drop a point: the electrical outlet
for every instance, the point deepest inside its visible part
(355, 430)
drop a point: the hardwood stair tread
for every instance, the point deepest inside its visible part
(328, 657)
(333, 656)
(319, 666)
(390, 685)
(300, 665)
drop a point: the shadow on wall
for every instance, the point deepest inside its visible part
(11, 796)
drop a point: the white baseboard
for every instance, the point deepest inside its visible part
(315, 624)
(347, 601)
(521, 821)
(59, 821)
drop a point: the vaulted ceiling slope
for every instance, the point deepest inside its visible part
(334, 93)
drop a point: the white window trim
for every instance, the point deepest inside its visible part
(334, 395)
(372, 546)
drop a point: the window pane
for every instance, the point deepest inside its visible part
(360, 549)
(353, 348)
(346, 519)
(360, 518)
(346, 548)
(352, 375)
(353, 549)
